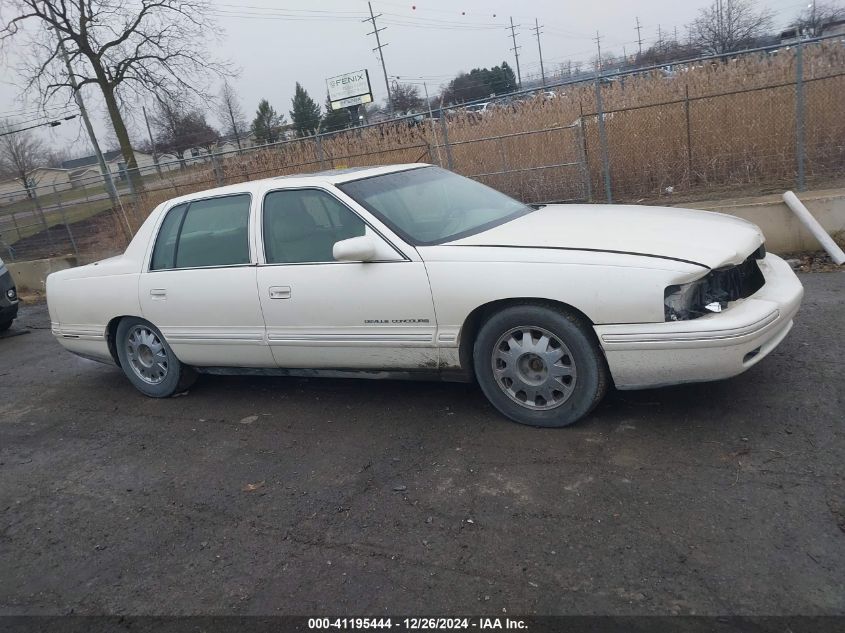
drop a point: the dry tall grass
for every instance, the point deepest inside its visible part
(712, 127)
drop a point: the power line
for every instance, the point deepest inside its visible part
(379, 47)
(53, 123)
(42, 117)
(515, 50)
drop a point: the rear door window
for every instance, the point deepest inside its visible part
(212, 232)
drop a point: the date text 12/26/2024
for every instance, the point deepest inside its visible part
(417, 624)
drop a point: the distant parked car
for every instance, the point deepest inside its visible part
(413, 270)
(479, 108)
(8, 298)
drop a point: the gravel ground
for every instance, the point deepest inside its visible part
(295, 496)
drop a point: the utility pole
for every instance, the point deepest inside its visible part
(152, 142)
(720, 37)
(659, 39)
(813, 23)
(77, 95)
(639, 38)
(608, 192)
(540, 49)
(515, 50)
(379, 47)
(598, 46)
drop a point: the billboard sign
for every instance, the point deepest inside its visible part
(349, 89)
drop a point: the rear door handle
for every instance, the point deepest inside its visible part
(280, 292)
(158, 293)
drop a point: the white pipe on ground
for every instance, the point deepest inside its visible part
(814, 227)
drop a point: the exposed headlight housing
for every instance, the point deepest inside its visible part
(714, 291)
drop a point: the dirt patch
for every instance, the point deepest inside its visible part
(96, 237)
(815, 262)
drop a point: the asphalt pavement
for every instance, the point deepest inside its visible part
(317, 496)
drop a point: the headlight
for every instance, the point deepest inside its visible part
(688, 301)
(12, 294)
(712, 292)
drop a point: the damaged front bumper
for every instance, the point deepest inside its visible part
(712, 347)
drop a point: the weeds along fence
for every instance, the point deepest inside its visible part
(746, 124)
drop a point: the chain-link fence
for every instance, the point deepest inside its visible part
(762, 121)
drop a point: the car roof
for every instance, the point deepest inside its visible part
(327, 177)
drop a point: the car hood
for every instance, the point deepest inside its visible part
(700, 237)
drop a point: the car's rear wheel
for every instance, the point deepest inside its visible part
(148, 361)
(539, 365)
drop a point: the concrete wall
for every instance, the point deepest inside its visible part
(33, 275)
(784, 232)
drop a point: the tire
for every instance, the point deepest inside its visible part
(5, 325)
(148, 361)
(540, 365)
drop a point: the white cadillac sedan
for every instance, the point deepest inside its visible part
(413, 270)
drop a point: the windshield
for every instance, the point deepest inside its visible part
(430, 205)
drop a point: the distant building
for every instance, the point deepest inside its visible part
(790, 36)
(833, 27)
(229, 143)
(86, 170)
(41, 180)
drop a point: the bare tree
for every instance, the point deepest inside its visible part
(813, 18)
(124, 48)
(405, 97)
(55, 157)
(729, 25)
(20, 154)
(180, 129)
(230, 114)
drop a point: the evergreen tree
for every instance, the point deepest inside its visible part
(305, 114)
(334, 119)
(509, 78)
(267, 123)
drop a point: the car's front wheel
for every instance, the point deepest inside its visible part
(5, 325)
(539, 365)
(148, 361)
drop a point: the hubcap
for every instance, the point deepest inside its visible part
(146, 354)
(534, 368)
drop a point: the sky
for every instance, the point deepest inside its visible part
(275, 44)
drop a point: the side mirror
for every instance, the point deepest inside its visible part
(355, 249)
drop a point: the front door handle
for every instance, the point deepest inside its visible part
(280, 292)
(159, 294)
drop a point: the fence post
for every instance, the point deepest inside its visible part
(689, 135)
(118, 208)
(43, 217)
(17, 228)
(799, 115)
(320, 156)
(605, 161)
(65, 222)
(218, 171)
(444, 128)
(131, 186)
(582, 151)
